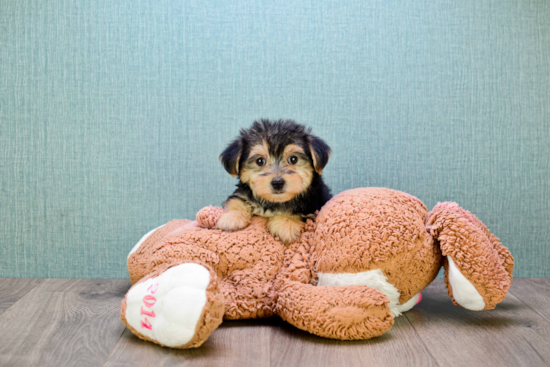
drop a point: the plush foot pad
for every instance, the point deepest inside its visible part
(464, 292)
(179, 307)
(374, 279)
(410, 303)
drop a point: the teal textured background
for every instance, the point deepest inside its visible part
(113, 113)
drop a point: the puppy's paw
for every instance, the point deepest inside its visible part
(233, 221)
(287, 227)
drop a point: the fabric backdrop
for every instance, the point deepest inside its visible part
(113, 113)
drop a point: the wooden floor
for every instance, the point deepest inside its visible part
(64, 322)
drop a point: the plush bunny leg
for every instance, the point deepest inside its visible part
(375, 279)
(177, 306)
(139, 258)
(351, 312)
(478, 269)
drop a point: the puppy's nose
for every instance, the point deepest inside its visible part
(277, 183)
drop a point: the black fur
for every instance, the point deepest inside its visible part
(230, 157)
(321, 151)
(279, 134)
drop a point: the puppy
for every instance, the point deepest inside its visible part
(279, 168)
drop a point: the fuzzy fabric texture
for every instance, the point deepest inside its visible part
(211, 316)
(376, 228)
(477, 253)
(370, 229)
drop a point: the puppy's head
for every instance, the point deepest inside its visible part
(278, 160)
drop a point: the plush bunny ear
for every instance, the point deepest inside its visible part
(231, 156)
(478, 268)
(320, 153)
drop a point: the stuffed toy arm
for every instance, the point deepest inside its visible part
(347, 313)
(354, 312)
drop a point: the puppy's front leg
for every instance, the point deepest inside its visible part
(287, 227)
(237, 215)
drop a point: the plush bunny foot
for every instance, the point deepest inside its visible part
(138, 263)
(374, 279)
(478, 269)
(410, 303)
(178, 307)
(463, 292)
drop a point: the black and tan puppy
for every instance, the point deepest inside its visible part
(279, 167)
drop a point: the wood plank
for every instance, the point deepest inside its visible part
(12, 289)
(510, 335)
(76, 322)
(398, 347)
(234, 343)
(63, 322)
(535, 293)
(272, 342)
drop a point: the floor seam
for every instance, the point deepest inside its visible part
(114, 346)
(529, 307)
(421, 340)
(23, 296)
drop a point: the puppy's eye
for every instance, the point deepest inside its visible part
(260, 161)
(293, 159)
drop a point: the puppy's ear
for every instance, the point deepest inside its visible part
(231, 156)
(320, 152)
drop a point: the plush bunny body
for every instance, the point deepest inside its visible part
(362, 262)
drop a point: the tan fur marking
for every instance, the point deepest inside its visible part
(287, 227)
(262, 150)
(303, 169)
(261, 185)
(237, 215)
(247, 175)
(266, 147)
(306, 174)
(292, 148)
(315, 159)
(294, 184)
(250, 172)
(237, 166)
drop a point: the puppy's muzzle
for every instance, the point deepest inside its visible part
(278, 183)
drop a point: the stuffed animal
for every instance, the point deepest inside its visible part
(361, 263)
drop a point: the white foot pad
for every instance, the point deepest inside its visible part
(373, 278)
(167, 308)
(464, 292)
(409, 304)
